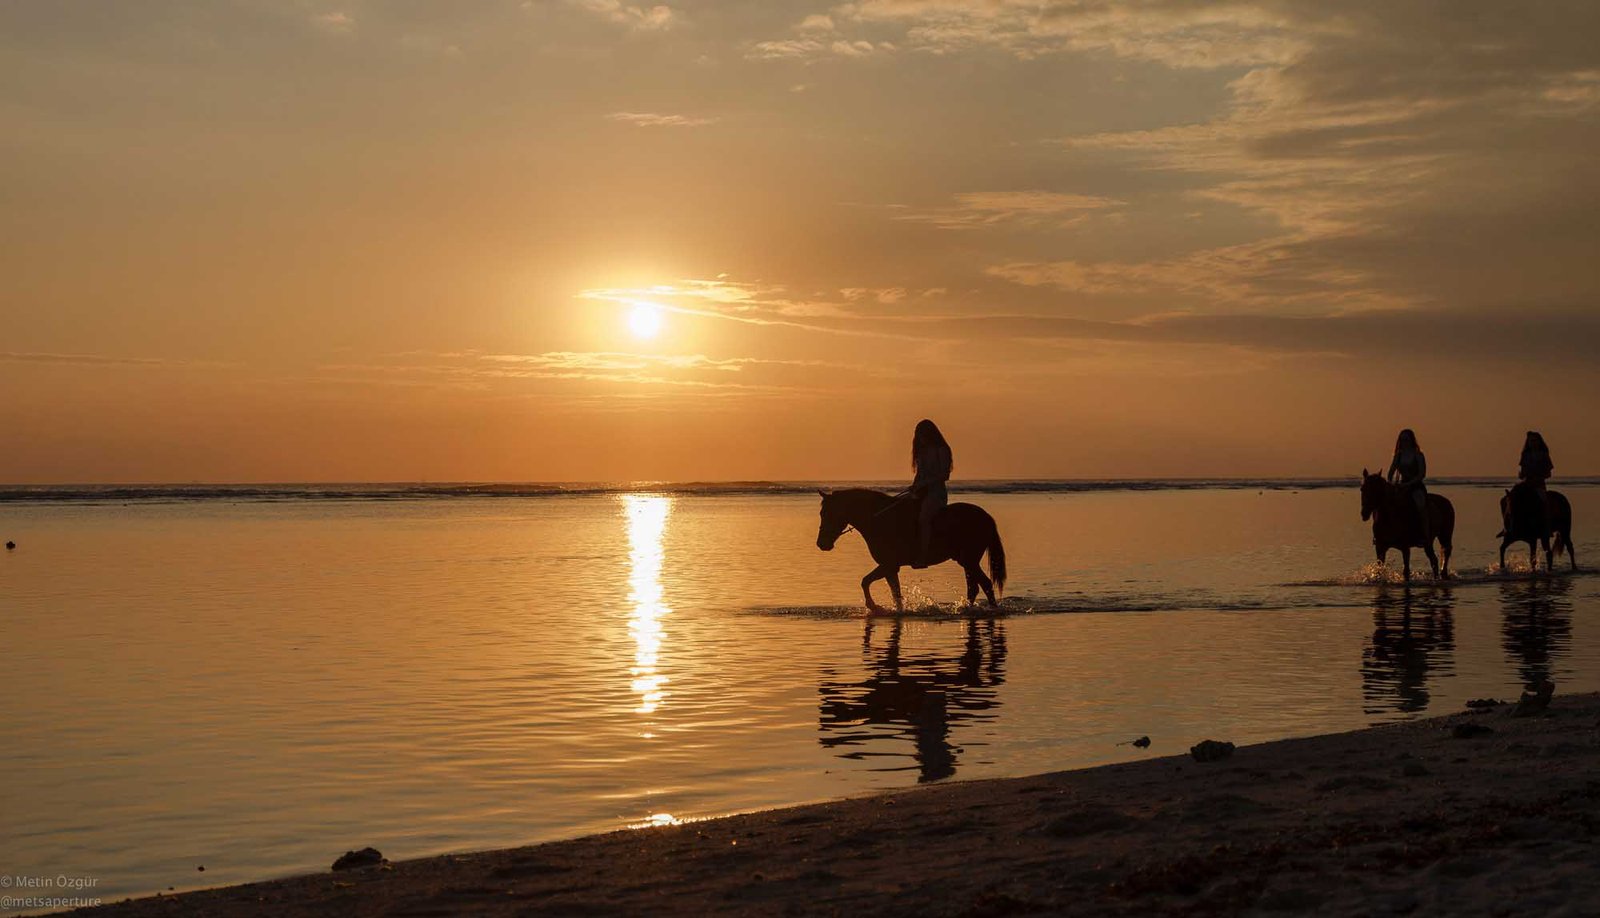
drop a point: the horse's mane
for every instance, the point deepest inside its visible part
(854, 495)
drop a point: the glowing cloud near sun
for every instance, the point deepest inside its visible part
(644, 321)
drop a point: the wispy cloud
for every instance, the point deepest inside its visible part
(750, 304)
(490, 372)
(979, 209)
(636, 17)
(101, 360)
(336, 21)
(655, 119)
(808, 47)
(1176, 34)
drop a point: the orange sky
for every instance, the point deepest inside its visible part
(361, 240)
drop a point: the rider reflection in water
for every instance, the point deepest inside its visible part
(932, 460)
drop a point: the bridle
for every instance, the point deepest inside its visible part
(849, 527)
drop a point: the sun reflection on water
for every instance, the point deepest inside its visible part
(647, 524)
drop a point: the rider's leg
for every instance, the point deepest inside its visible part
(925, 516)
(932, 503)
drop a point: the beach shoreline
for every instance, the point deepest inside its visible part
(1431, 816)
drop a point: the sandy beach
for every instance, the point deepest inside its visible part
(1433, 816)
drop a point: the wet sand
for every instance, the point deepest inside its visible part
(1404, 819)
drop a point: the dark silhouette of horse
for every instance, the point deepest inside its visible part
(912, 697)
(1533, 518)
(1394, 523)
(961, 533)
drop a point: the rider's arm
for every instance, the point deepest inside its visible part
(1394, 468)
(1422, 466)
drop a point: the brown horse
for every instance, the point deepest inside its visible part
(1532, 518)
(1394, 522)
(961, 533)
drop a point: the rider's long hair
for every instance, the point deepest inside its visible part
(927, 434)
(1406, 439)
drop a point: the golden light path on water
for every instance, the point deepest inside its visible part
(647, 524)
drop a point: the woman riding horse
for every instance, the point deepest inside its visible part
(1535, 468)
(1535, 464)
(1411, 468)
(932, 461)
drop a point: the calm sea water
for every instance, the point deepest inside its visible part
(257, 685)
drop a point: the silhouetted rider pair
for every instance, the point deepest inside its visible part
(1410, 468)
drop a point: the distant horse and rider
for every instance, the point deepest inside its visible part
(1396, 523)
(1533, 513)
(1405, 516)
(917, 528)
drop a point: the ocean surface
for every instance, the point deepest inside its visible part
(255, 679)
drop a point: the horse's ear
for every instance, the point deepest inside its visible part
(823, 494)
(1363, 473)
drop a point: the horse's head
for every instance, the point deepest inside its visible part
(833, 523)
(1371, 494)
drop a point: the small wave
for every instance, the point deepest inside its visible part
(1077, 604)
(1372, 574)
(935, 611)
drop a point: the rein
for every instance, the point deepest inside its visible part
(885, 509)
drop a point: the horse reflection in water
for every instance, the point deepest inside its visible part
(1536, 626)
(1413, 637)
(913, 697)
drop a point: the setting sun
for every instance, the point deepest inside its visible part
(645, 321)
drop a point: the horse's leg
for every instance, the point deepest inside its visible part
(866, 587)
(1549, 558)
(972, 586)
(1433, 559)
(1533, 556)
(893, 576)
(984, 583)
(1405, 560)
(1505, 543)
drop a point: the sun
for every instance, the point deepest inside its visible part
(645, 321)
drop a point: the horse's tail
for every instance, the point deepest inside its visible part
(1560, 510)
(997, 559)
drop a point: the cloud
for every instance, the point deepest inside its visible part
(816, 22)
(334, 21)
(1403, 157)
(811, 48)
(493, 372)
(653, 119)
(979, 209)
(100, 360)
(749, 304)
(637, 18)
(1178, 34)
(601, 361)
(1499, 338)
